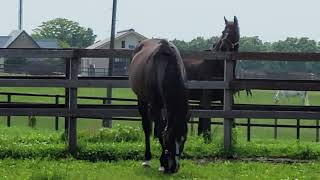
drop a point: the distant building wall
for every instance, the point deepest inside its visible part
(128, 41)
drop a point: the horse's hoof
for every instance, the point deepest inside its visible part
(161, 169)
(146, 164)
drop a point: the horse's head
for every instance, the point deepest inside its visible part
(173, 139)
(173, 146)
(230, 36)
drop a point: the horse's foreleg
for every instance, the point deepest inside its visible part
(146, 125)
(204, 126)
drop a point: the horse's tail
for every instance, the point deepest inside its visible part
(170, 82)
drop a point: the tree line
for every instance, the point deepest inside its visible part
(72, 34)
(254, 44)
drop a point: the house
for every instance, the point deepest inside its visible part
(127, 39)
(21, 39)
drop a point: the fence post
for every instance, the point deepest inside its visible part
(192, 126)
(227, 105)
(107, 122)
(249, 130)
(298, 129)
(73, 93)
(66, 96)
(317, 130)
(9, 117)
(275, 130)
(57, 118)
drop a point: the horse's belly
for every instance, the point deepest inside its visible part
(136, 80)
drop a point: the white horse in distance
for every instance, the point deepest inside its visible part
(282, 94)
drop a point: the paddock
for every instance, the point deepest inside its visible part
(72, 110)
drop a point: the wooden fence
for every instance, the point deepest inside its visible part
(71, 110)
(57, 99)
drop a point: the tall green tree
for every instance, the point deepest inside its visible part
(67, 32)
(250, 44)
(254, 44)
(198, 43)
(293, 44)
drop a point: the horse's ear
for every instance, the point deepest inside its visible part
(225, 20)
(235, 20)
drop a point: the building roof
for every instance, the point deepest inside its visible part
(6, 41)
(3, 40)
(48, 43)
(120, 34)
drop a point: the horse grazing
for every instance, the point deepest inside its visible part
(200, 69)
(157, 76)
(302, 95)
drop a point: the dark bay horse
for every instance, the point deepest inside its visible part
(157, 76)
(200, 69)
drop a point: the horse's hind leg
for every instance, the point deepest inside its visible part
(146, 125)
(159, 126)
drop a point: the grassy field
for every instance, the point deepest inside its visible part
(72, 169)
(117, 153)
(259, 97)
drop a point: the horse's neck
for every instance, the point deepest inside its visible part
(217, 46)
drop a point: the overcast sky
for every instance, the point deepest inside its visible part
(271, 20)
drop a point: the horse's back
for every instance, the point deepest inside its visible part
(142, 68)
(139, 65)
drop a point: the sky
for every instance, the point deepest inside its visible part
(271, 20)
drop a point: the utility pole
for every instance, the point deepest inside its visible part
(20, 15)
(108, 122)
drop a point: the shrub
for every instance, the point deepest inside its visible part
(116, 134)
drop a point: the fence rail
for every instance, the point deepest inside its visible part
(25, 107)
(71, 82)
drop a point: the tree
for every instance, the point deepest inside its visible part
(199, 43)
(292, 44)
(254, 44)
(251, 44)
(67, 32)
(182, 45)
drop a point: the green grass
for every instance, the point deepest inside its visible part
(75, 169)
(116, 153)
(259, 97)
(125, 142)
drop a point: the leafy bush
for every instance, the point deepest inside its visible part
(117, 133)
